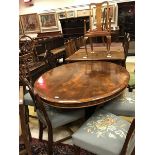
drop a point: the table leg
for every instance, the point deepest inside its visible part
(89, 111)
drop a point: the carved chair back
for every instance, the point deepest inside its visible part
(28, 45)
(41, 108)
(25, 130)
(28, 56)
(101, 15)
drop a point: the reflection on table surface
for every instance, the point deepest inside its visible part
(77, 84)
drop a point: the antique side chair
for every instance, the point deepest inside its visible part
(103, 24)
(28, 56)
(126, 43)
(51, 117)
(25, 130)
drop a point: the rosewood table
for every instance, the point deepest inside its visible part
(82, 84)
(99, 53)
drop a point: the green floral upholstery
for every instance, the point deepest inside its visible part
(122, 105)
(60, 117)
(132, 79)
(103, 133)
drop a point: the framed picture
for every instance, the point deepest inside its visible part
(48, 21)
(85, 12)
(62, 15)
(20, 27)
(70, 14)
(30, 23)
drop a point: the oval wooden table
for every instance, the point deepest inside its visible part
(82, 84)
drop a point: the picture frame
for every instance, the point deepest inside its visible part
(20, 27)
(48, 21)
(30, 23)
(81, 13)
(61, 15)
(70, 14)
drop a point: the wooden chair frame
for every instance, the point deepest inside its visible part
(39, 105)
(26, 134)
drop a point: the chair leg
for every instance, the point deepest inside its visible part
(77, 150)
(91, 43)
(41, 128)
(108, 43)
(103, 41)
(85, 44)
(27, 113)
(50, 141)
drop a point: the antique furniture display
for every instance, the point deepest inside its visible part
(51, 117)
(106, 134)
(84, 84)
(103, 25)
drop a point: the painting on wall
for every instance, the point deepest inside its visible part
(70, 14)
(62, 15)
(20, 27)
(85, 12)
(30, 23)
(48, 21)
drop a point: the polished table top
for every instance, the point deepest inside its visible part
(99, 53)
(82, 84)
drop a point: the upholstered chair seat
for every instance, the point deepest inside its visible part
(28, 99)
(60, 117)
(131, 84)
(122, 105)
(103, 133)
(132, 79)
(57, 117)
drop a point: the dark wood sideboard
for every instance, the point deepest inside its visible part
(126, 18)
(74, 27)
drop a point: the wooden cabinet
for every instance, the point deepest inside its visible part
(126, 18)
(74, 27)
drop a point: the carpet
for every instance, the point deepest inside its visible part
(40, 148)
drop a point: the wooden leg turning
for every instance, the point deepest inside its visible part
(41, 128)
